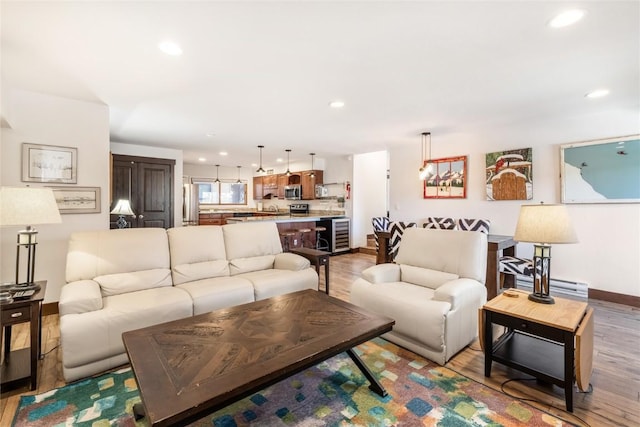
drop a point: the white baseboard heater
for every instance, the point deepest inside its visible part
(558, 287)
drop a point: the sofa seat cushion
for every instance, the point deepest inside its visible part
(417, 316)
(273, 282)
(97, 335)
(218, 292)
(121, 283)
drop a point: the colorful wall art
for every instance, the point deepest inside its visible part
(446, 178)
(509, 175)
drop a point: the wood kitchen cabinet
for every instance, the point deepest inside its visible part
(213, 218)
(257, 188)
(309, 183)
(283, 181)
(270, 186)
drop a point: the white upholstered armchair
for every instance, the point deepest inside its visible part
(433, 291)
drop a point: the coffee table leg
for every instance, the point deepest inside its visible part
(138, 411)
(374, 385)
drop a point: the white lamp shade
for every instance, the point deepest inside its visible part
(123, 207)
(28, 206)
(544, 224)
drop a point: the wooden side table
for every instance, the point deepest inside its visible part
(317, 258)
(18, 365)
(547, 341)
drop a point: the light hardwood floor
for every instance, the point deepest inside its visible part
(614, 401)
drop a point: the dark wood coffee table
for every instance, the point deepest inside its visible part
(191, 367)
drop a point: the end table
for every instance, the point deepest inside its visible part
(19, 365)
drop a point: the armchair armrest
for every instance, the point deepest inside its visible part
(459, 292)
(80, 297)
(382, 273)
(289, 261)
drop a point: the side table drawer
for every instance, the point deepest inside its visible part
(527, 326)
(16, 315)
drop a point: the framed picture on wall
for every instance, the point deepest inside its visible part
(446, 178)
(49, 163)
(601, 171)
(77, 200)
(509, 175)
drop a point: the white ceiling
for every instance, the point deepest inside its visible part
(264, 72)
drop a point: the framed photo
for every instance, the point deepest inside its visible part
(446, 178)
(49, 163)
(77, 200)
(601, 171)
(509, 175)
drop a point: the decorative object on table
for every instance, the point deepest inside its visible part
(49, 163)
(426, 168)
(72, 200)
(22, 206)
(122, 208)
(448, 178)
(260, 169)
(602, 171)
(543, 225)
(331, 393)
(509, 175)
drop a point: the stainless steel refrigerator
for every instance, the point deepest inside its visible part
(190, 204)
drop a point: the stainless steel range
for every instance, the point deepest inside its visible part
(299, 209)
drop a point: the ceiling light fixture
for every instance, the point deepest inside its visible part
(202, 159)
(170, 48)
(313, 172)
(336, 104)
(598, 93)
(260, 170)
(288, 150)
(566, 18)
(223, 153)
(425, 167)
(238, 181)
(217, 174)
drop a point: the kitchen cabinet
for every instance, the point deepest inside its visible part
(269, 186)
(283, 181)
(214, 218)
(257, 188)
(309, 182)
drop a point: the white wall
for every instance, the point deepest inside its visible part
(43, 119)
(159, 153)
(607, 256)
(369, 193)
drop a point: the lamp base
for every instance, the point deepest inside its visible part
(542, 299)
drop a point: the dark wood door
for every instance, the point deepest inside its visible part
(148, 184)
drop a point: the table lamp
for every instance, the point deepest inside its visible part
(123, 207)
(542, 225)
(27, 205)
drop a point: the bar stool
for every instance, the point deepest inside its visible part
(285, 235)
(305, 236)
(321, 244)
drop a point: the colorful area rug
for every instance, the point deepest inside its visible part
(333, 393)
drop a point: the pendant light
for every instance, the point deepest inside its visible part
(425, 169)
(288, 173)
(238, 181)
(313, 172)
(260, 170)
(217, 173)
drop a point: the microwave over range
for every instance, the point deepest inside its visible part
(293, 192)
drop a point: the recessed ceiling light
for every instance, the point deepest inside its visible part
(210, 135)
(223, 153)
(566, 18)
(598, 93)
(336, 104)
(279, 160)
(170, 48)
(202, 159)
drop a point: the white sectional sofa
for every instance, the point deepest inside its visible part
(121, 280)
(433, 291)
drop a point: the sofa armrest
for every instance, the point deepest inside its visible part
(382, 273)
(80, 297)
(459, 292)
(289, 261)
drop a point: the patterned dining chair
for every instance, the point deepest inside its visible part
(396, 228)
(441, 223)
(481, 225)
(380, 223)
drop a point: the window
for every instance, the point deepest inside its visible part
(225, 192)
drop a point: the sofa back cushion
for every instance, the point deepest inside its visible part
(124, 260)
(251, 246)
(462, 253)
(197, 253)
